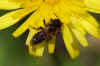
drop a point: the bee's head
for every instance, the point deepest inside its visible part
(56, 22)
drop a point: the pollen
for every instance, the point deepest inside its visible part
(51, 2)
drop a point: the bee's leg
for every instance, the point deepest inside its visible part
(44, 22)
(39, 28)
(49, 37)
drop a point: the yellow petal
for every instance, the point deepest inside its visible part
(71, 46)
(75, 24)
(67, 36)
(75, 6)
(80, 29)
(21, 29)
(39, 51)
(62, 14)
(91, 29)
(51, 46)
(90, 19)
(28, 23)
(36, 51)
(93, 5)
(12, 18)
(31, 50)
(6, 4)
(30, 36)
(31, 3)
(80, 36)
(73, 50)
(35, 20)
(50, 16)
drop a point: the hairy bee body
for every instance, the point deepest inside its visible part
(46, 33)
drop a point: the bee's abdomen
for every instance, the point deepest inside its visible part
(39, 37)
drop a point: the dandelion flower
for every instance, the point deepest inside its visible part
(72, 13)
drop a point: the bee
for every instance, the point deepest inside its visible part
(47, 32)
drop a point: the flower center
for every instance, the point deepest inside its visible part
(51, 2)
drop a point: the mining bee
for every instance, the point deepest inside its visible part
(47, 33)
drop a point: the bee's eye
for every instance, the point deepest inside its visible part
(36, 38)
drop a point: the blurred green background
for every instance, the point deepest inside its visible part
(13, 51)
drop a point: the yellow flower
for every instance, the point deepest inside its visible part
(72, 13)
